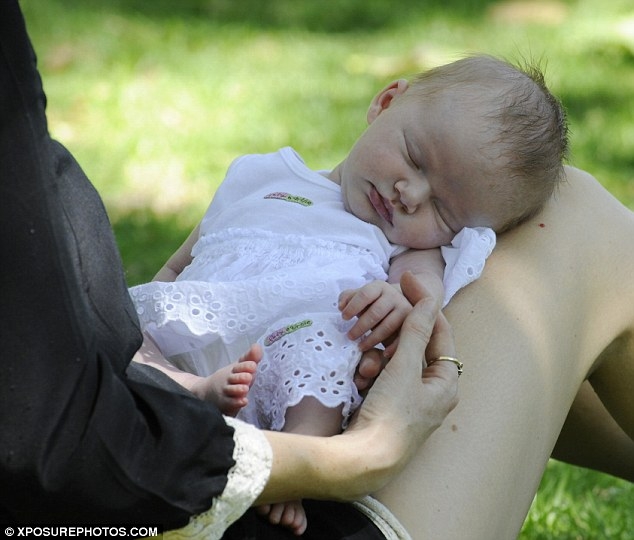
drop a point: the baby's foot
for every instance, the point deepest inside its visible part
(289, 514)
(228, 387)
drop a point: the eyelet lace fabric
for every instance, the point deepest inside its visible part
(237, 291)
(307, 356)
(465, 258)
(240, 283)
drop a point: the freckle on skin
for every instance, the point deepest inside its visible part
(454, 427)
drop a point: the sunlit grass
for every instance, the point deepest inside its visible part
(576, 504)
(157, 107)
(156, 99)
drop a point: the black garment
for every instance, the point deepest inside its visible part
(80, 441)
(326, 521)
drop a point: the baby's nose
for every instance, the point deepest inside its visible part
(411, 195)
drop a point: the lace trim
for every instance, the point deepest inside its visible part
(306, 357)
(465, 258)
(245, 241)
(246, 480)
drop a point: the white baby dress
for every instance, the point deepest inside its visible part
(276, 249)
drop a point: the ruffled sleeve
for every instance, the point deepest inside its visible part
(465, 258)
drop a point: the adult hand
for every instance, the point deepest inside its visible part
(409, 400)
(370, 366)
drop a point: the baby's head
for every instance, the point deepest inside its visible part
(522, 128)
(474, 143)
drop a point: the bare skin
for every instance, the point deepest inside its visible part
(551, 317)
(546, 336)
(324, 422)
(408, 401)
(406, 404)
(227, 388)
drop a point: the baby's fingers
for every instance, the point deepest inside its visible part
(345, 297)
(353, 302)
(382, 331)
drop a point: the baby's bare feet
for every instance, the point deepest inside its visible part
(228, 387)
(289, 514)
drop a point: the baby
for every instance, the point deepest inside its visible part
(306, 263)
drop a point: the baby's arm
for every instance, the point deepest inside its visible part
(381, 307)
(179, 260)
(426, 264)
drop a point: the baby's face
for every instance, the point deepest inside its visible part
(419, 172)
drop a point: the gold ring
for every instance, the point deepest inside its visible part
(451, 359)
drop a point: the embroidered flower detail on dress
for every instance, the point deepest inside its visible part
(274, 336)
(290, 198)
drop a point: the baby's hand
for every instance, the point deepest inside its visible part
(380, 307)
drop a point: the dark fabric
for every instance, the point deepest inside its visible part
(79, 442)
(326, 521)
(143, 373)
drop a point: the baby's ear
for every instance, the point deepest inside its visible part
(384, 98)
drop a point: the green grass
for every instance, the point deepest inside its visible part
(156, 97)
(577, 504)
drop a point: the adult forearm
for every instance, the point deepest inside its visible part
(343, 467)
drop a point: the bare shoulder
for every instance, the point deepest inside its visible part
(608, 222)
(576, 256)
(582, 190)
(582, 215)
(606, 241)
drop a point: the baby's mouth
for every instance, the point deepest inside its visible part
(382, 207)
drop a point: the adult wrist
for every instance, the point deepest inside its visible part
(372, 454)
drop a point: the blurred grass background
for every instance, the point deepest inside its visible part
(156, 97)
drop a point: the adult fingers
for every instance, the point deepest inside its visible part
(427, 329)
(441, 342)
(352, 305)
(419, 324)
(370, 366)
